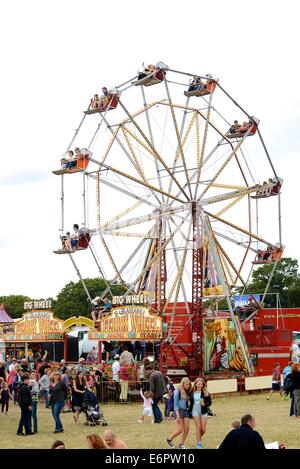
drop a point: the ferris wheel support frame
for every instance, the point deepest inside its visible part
(211, 241)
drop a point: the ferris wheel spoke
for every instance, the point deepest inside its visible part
(137, 164)
(178, 278)
(230, 195)
(124, 266)
(113, 264)
(180, 147)
(216, 255)
(155, 151)
(177, 265)
(226, 266)
(252, 235)
(145, 218)
(128, 234)
(184, 140)
(138, 181)
(237, 272)
(238, 243)
(220, 170)
(203, 145)
(124, 191)
(120, 215)
(159, 251)
(152, 140)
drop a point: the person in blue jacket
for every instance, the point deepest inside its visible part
(181, 408)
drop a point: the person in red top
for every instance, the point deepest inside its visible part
(276, 381)
(124, 378)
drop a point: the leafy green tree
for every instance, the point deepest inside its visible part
(285, 279)
(293, 295)
(72, 299)
(14, 304)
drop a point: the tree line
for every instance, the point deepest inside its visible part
(72, 299)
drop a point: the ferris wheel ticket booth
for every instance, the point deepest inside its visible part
(128, 323)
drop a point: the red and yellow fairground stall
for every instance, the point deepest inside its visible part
(37, 331)
(128, 323)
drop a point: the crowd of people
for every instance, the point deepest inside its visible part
(62, 388)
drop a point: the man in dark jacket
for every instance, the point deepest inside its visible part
(25, 403)
(244, 437)
(158, 385)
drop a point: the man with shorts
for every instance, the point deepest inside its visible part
(276, 381)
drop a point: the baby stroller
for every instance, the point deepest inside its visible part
(93, 413)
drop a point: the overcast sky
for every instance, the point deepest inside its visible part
(56, 55)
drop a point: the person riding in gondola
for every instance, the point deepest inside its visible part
(71, 160)
(104, 98)
(95, 308)
(95, 102)
(197, 85)
(147, 71)
(71, 242)
(235, 127)
(268, 253)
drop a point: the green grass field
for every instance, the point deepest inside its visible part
(272, 420)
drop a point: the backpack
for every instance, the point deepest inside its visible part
(288, 384)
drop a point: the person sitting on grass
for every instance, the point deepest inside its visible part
(244, 437)
(96, 442)
(112, 441)
(235, 424)
(58, 444)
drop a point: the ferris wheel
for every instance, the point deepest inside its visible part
(180, 197)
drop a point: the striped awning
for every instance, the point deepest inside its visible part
(4, 317)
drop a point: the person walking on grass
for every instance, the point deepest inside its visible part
(181, 408)
(276, 381)
(79, 387)
(5, 395)
(44, 383)
(296, 388)
(147, 406)
(25, 403)
(158, 386)
(34, 389)
(58, 395)
(199, 403)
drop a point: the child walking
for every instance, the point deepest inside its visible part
(5, 396)
(147, 406)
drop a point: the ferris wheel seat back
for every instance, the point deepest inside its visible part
(82, 162)
(84, 240)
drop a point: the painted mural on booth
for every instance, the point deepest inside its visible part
(222, 349)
